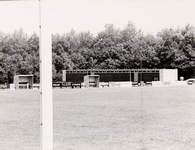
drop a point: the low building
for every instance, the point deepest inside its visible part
(119, 75)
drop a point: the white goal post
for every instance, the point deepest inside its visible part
(46, 95)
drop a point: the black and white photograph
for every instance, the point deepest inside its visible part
(97, 75)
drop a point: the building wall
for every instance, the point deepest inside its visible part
(104, 77)
(108, 77)
(148, 77)
(163, 75)
(75, 77)
(168, 75)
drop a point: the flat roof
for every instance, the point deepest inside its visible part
(22, 75)
(86, 71)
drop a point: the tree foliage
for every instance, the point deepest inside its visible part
(111, 49)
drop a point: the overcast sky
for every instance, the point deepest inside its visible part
(91, 15)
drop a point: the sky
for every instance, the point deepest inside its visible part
(151, 16)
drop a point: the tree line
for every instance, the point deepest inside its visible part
(113, 48)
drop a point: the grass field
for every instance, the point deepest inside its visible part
(148, 118)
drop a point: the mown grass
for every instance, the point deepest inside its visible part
(148, 118)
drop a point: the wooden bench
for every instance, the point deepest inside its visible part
(135, 84)
(103, 84)
(57, 84)
(92, 84)
(75, 84)
(61, 84)
(36, 86)
(23, 85)
(148, 83)
(66, 84)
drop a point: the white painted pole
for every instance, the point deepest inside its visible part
(46, 94)
(64, 75)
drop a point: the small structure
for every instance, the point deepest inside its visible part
(23, 81)
(12, 86)
(91, 80)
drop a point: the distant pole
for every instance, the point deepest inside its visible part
(46, 95)
(141, 66)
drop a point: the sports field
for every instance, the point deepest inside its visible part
(137, 118)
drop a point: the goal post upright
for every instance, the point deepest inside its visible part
(46, 95)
